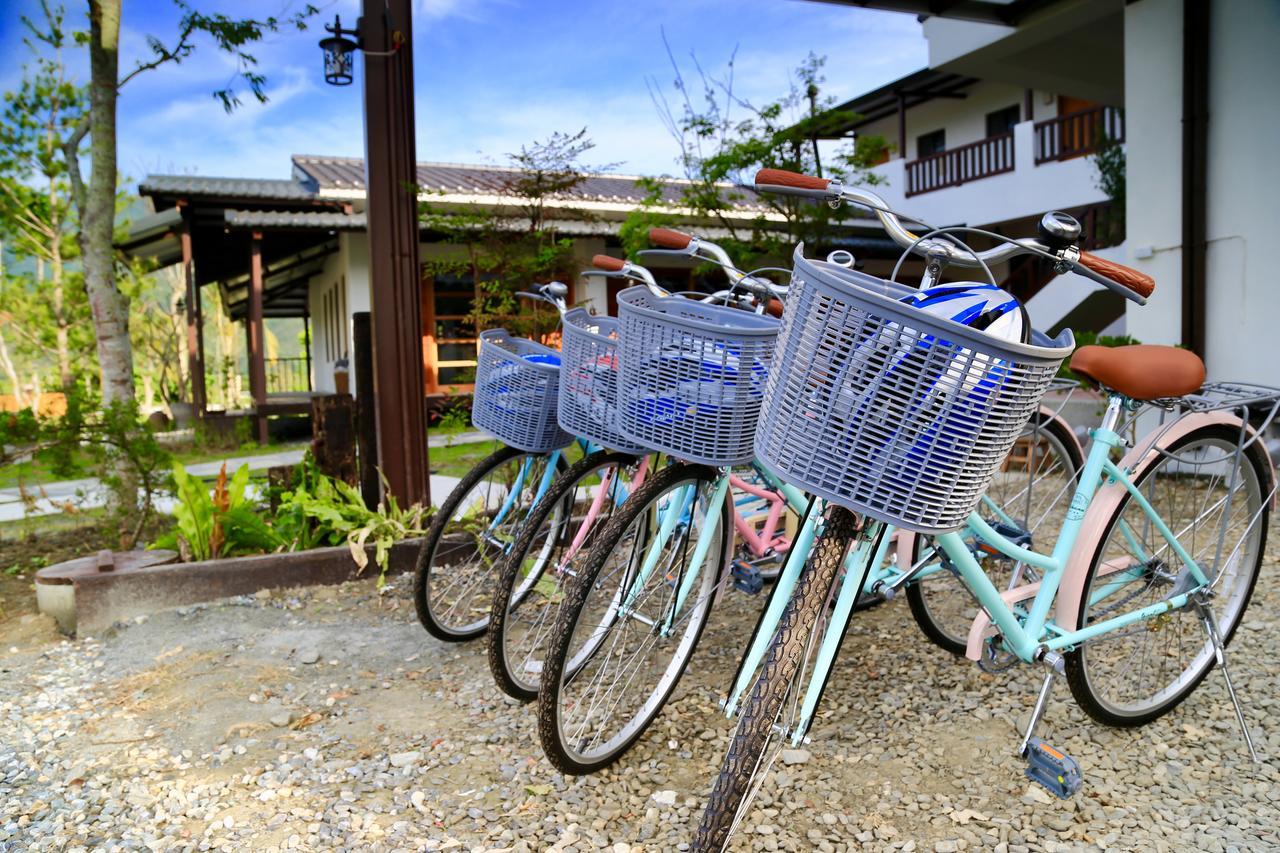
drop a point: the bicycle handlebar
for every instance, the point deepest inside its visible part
(1134, 280)
(1126, 281)
(609, 263)
(678, 242)
(669, 238)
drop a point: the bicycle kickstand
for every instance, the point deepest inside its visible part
(1205, 611)
(1050, 767)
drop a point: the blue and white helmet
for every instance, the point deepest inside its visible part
(979, 306)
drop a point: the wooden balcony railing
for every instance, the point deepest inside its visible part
(285, 375)
(1076, 134)
(951, 168)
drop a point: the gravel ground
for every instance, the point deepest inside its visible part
(328, 719)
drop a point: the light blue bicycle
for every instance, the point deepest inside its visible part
(898, 419)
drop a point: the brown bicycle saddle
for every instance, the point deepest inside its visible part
(1141, 371)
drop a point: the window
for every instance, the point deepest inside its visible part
(455, 336)
(333, 315)
(1002, 121)
(934, 142)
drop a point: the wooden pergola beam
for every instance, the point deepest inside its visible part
(257, 339)
(195, 318)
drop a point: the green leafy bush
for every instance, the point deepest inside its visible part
(221, 524)
(314, 511)
(110, 442)
(320, 510)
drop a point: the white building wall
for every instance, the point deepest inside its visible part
(344, 283)
(1153, 128)
(1244, 182)
(950, 39)
(1243, 178)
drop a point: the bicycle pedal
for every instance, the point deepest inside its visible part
(746, 577)
(1053, 769)
(1013, 533)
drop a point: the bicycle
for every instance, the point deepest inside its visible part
(603, 682)
(1121, 570)
(515, 401)
(529, 588)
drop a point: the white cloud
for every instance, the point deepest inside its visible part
(435, 10)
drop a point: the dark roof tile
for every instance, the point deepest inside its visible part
(247, 188)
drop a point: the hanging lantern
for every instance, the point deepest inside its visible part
(339, 53)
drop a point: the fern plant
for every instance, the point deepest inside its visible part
(222, 524)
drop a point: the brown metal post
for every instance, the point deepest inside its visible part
(394, 276)
(195, 319)
(1195, 180)
(902, 125)
(366, 415)
(257, 340)
(306, 343)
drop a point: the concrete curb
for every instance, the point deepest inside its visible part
(94, 601)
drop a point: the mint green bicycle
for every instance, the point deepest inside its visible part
(898, 420)
(692, 379)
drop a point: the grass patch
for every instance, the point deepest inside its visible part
(457, 460)
(35, 472)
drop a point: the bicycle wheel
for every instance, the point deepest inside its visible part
(624, 636)
(471, 530)
(559, 534)
(771, 711)
(1134, 675)
(1034, 488)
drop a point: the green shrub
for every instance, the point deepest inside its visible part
(221, 524)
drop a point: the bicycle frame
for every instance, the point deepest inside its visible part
(677, 512)
(767, 539)
(617, 492)
(1025, 637)
(1024, 632)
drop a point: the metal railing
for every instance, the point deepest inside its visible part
(956, 166)
(285, 375)
(1078, 133)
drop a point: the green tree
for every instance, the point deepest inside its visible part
(1108, 158)
(723, 139)
(35, 200)
(508, 248)
(94, 197)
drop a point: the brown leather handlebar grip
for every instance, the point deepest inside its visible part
(1139, 282)
(783, 178)
(608, 262)
(668, 238)
(773, 308)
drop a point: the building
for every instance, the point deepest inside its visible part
(301, 241)
(994, 128)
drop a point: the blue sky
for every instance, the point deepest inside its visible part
(490, 76)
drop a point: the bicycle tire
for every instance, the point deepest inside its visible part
(1077, 660)
(777, 679)
(428, 552)
(509, 573)
(555, 743)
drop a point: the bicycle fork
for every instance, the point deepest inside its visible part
(872, 542)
